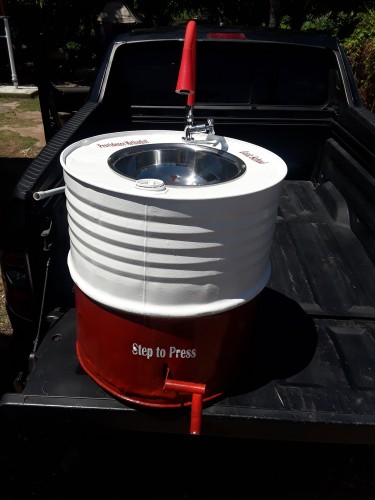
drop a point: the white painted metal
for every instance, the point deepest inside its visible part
(10, 51)
(169, 251)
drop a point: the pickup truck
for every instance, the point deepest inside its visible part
(308, 373)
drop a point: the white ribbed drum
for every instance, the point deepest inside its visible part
(149, 247)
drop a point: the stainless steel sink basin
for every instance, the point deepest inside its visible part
(177, 164)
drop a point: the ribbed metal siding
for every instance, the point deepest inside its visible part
(169, 258)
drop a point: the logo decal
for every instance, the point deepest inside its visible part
(253, 157)
(124, 143)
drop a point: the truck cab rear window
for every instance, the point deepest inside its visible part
(253, 74)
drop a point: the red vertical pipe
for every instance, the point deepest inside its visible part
(196, 413)
(186, 77)
(191, 96)
(197, 391)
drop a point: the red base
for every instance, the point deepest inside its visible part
(130, 356)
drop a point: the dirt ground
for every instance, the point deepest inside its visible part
(13, 147)
(32, 126)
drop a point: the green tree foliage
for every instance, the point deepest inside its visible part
(71, 26)
(338, 25)
(63, 32)
(360, 49)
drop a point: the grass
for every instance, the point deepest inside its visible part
(16, 107)
(20, 118)
(24, 104)
(24, 143)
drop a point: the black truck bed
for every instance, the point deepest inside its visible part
(309, 374)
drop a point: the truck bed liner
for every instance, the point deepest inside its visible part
(309, 371)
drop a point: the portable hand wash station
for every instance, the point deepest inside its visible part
(170, 242)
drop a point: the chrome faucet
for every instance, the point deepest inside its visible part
(191, 129)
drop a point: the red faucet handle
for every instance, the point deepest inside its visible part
(186, 78)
